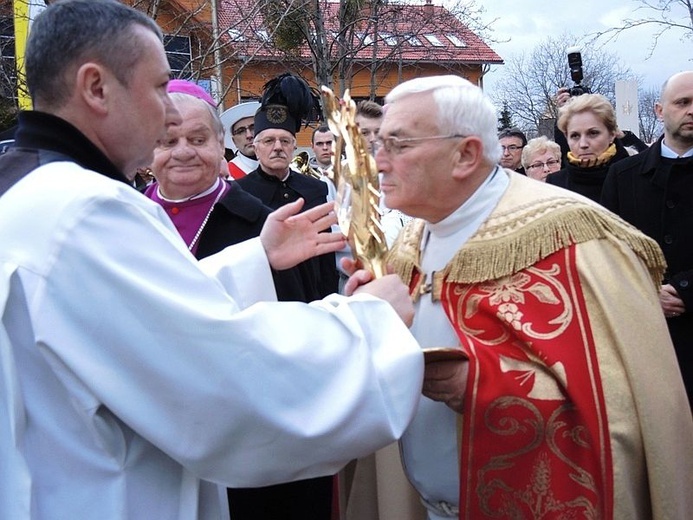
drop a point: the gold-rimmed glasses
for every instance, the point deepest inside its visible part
(550, 164)
(394, 145)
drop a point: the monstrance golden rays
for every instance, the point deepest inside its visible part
(358, 189)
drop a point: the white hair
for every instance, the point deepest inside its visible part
(462, 109)
(217, 126)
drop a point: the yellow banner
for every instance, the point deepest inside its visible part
(24, 12)
(21, 33)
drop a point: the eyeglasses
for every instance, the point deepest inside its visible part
(285, 142)
(243, 129)
(395, 145)
(548, 164)
(512, 148)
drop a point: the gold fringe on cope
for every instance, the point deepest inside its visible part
(405, 256)
(517, 236)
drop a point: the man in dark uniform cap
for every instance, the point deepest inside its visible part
(286, 102)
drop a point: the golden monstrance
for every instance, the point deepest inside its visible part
(358, 188)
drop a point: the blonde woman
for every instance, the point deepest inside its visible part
(589, 124)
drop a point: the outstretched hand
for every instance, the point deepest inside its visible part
(290, 237)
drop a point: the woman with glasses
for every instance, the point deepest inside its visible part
(589, 124)
(540, 157)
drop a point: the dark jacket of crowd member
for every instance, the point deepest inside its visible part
(652, 193)
(587, 181)
(319, 274)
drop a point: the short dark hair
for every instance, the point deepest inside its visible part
(72, 32)
(321, 128)
(513, 132)
(368, 108)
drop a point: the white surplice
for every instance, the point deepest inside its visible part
(133, 379)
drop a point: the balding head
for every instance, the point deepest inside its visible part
(675, 110)
(674, 81)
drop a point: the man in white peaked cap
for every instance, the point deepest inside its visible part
(239, 132)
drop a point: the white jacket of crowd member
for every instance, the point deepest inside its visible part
(133, 380)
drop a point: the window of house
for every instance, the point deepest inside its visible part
(413, 40)
(179, 54)
(433, 39)
(456, 41)
(236, 35)
(263, 35)
(390, 39)
(365, 38)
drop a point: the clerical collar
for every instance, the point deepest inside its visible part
(443, 239)
(475, 209)
(668, 153)
(209, 190)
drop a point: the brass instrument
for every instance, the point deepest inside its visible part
(358, 188)
(301, 163)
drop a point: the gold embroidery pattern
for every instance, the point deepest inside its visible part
(508, 295)
(535, 500)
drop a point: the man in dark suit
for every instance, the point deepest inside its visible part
(654, 191)
(276, 184)
(512, 141)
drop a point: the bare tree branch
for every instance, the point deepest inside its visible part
(664, 15)
(529, 82)
(650, 126)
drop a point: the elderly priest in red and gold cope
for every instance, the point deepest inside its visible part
(569, 403)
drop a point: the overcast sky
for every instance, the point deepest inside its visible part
(527, 22)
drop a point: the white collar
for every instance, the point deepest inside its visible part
(245, 163)
(476, 208)
(671, 154)
(443, 239)
(209, 190)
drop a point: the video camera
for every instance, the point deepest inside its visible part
(575, 65)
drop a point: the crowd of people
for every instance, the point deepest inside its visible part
(651, 187)
(200, 344)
